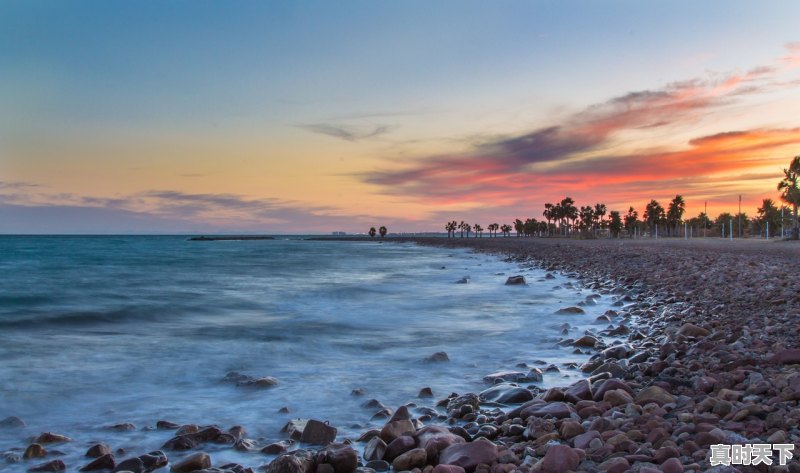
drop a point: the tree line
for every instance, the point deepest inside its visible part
(565, 218)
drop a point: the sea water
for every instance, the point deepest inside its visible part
(97, 331)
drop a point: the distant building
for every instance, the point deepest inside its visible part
(338, 233)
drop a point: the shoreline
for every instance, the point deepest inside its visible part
(693, 385)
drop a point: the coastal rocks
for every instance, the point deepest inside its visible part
(469, 455)
(438, 357)
(570, 311)
(515, 281)
(298, 461)
(506, 394)
(12, 422)
(34, 450)
(399, 446)
(375, 449)
(460, 405)
(49, 437)
(103, 462)
(143, 463)
(579, 391)
(534, 375)
(244, 380)
(786, 357)
(55, 465)
(654, 394)
(416, 458)
(558, 410)
(395, 429)
(340, 457)
(98, 450)
(194, 462)
(558, 459)
(310, 431)
(691, 330)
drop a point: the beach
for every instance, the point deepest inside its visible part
(675, 346)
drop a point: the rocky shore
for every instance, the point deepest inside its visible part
(702, 349)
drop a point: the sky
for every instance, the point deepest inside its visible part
(317, 116)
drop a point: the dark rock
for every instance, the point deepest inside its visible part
(579, 391)
(98, 450)
(166, 425)
(55, 465)
(786, 357)
(34, 450)
(469, 455)
(310, 431)
(375, 449)
(12, 421)
(399, 446)
(438, 357)
(104, 462)
(425, 392)
(416, 458)
(393, 430)
(570, 311)
(276, 448)
(515, 280)
(558, 459)
(507, 394)
(193, 462)
(298, 461)
(135, 465)
(379, 465)
(49, 437)
(341, 457)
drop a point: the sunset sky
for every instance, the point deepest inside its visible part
(315, 116)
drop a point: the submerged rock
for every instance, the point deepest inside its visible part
(515, 280)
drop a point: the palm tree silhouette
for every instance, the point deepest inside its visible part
(372, 232)
(382, 231)
(675, 212)
(479, 230)
(791, 192)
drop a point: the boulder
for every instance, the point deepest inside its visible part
(195, 461)
(789, 356)
(34, 450)
(691, 330)
(654, 394)
(49, 437)
(447, 469)
(558, 459)
(341, 457)
(395, 429)
(579, 391)
(12, 422)
(438, 357)
(298, 461)
(310, 431)
(104, 462)
(570, 311)
(506, 394)
(416, 458)
(559, 410)
(469, 455)
(399, 446)
(375, 449)
(98, 450)
(515, 280)
(55, 465)
(599, 388)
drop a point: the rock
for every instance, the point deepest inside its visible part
(126, 427)
(469, 455)
(103, 462)
(154, 460)
(49, 437)
(55, 465)
(276, 448)
(98, 450)
(434, 439)
(310, 431)
(415, 458)
(570, 428)
(379, 465)
(615, 465)
(506, 394)
(166, 425)
(395, 429)
(298, 461)
(425, 392)
(340, 456)
(579, 391)
(34, 450)
(570, 311)
(515, 280)
(180, 442)
(654, 394)
(582, 441)
(399, 446)
(612, 368)
(438, 357)
(455, 405)
(587, 341)
(617, 397)
(673, 465)
(690, 330)
(375, 449)
(599, 388)
(617, 352)
(464, 280)
(447, 469)
(559, 410)
(558, 459)
(534, 375)
(12, 422)
(193, 462)
(790, 356)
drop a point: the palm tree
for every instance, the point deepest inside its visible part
(382, 231)
(599, 213)
(630, 221)
(675, 212)
(653, 215)
(478, 230)
(768, 216)
(548, 214)
(506, 229)
(495, 227)
(614, 223)
(791, 191)
(467, 228)
(569, 211)
(519, 226)
(586, 215)
(461, 227)
(372, 232)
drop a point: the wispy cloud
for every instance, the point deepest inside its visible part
(346, 132)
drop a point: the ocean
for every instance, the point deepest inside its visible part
(98, 331)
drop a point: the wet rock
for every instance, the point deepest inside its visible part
(55, 465)
(617, 352)
(617, 397)
(399, 446)
(125, 427)
(103, 462)
(379, 465)
(341, 457)
(195, 461)
(559, 410)
(438, 357)
(786, 357)
(582, 441)
(375, 449)
(98, 450)
(395, 429)
(570, 429)
(456, 404)
(579, 391)
(464, 280)
(654, 394)
(180, 442)
(276, 448)
(166, 425)
(34, 450)
(612, 368)
(49, 437)
(434, 439)
(298, 461)
(586, 341)
(154, 460)
(447, 469)
(691, 330)
(425, 392)
(415, 458)
(570, 311)
(310, 431)
(12, 422)
(506, 394)
(601, 387)
(673, 465)
(469, 455)
(515, 280)
(558, 459)
(615, 465)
